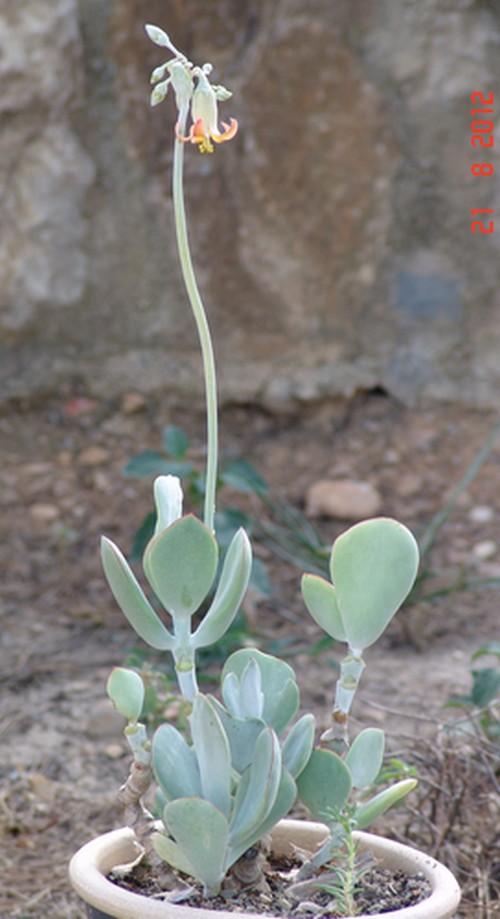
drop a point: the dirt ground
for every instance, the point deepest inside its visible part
(62, 753)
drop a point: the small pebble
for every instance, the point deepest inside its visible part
(132, 402)
(35, 469)
(482, 513)
(94, 456)
(114, 751)
(342, 499)
(64, 459)
(485, 550)
(44, 513)
(409, 484)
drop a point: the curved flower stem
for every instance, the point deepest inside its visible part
(201, 325)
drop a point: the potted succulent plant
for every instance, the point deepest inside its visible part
(226, 784)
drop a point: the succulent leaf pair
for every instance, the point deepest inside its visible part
(373, 566)
(180, 563)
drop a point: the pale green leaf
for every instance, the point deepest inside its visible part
(321, 601)
(364, 757)
(201, 832)
(180, 564)
(242, 735)
(367, 812)
(258, 787)
(212, 752)
(231, 694)
(285, 796)
(281, 694)
(230, 591)
(373, 567)
(175, 764)
(172, 853)
(297, 747)
(130, 597)
(251, 695)
(126, 691)
(324, 785)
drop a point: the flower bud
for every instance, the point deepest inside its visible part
(182, 82)
(158, 36)
(159, 92)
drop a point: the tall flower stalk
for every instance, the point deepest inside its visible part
(202, 326)
(194, 92)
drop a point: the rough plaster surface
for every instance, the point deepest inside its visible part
(331, 236)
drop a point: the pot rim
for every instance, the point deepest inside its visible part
(90, 865)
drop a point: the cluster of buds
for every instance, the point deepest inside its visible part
(194, 91)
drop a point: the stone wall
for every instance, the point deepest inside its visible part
(332, 236)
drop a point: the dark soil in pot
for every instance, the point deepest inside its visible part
(379, 890)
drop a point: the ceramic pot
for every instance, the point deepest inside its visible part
(104, 900)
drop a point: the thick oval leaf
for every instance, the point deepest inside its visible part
(242, 735)
(232, 695)
(126, 691)
(201, 832)
(285, 796)
(364, 757)
(212, 752)
(373, 567)
(130, 597)
(297, 747)
(280, 691)
(180, 564)
(324, 785)
(251, 695)
(321, 601)
(230, 591)
(172, 853)
(175, 765)
(366, 813)
(258, 787)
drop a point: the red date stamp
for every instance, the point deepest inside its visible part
(482, 137)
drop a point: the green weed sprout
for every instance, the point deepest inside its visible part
(342, 880)
(245, 758)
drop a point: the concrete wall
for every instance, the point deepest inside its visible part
(332, 236)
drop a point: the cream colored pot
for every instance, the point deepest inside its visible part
(90, 865)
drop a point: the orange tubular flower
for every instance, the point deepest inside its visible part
(202, 135)
(205, 129)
